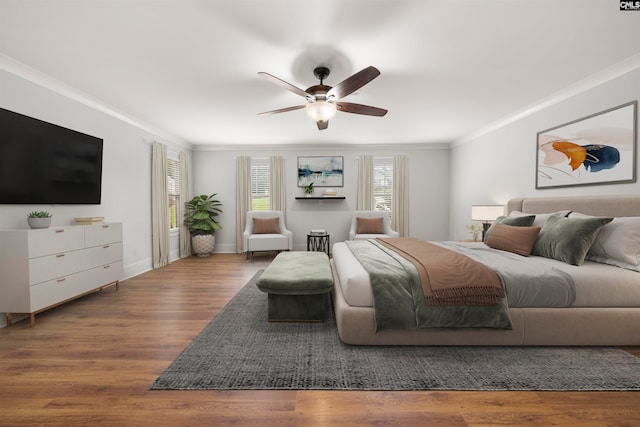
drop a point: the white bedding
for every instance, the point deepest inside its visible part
(597, 285)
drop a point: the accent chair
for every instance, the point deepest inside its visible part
(266, 231)
(371, 224)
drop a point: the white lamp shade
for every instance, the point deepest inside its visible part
(321, 110)
(486, 212)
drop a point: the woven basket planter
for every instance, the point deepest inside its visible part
(202, 244)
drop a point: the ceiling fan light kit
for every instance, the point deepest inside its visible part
(321, 110)
(322, 100)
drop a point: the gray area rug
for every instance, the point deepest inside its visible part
(239, 349)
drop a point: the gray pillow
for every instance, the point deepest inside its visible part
(516, 221)
(568, 239)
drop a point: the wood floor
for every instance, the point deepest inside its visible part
(91, 362)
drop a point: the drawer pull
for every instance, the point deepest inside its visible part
(106, 266)
(105, 225)
(61, 280)
(59, 230)
(59, 255)
(105, 247)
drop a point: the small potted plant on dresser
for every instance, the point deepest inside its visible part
(39, 219)
(200, 218)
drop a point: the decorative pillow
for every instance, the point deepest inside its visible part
(370, 226)
(568, 239)
(266, 225)
(540, 219)
(519, 221)
(518, 240)
(618, 243)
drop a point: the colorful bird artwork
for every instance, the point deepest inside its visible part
(596, 149)
(594, 157)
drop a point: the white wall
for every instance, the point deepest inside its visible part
(214, 172)
(501, 165)
(443, 183)
(126, 178)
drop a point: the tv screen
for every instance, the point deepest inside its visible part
(42, 163)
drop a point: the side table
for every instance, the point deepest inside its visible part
(318, 242)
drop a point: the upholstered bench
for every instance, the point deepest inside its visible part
(297, 284)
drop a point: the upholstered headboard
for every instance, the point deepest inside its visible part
(616, 206)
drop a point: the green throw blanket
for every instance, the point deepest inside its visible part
(399, 301)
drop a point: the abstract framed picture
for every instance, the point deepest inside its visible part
(597, 149)
(322, 171)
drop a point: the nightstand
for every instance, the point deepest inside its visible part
(318, 242)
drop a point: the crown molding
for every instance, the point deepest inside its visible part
(33, 75)
(626, 66)
(321, 146)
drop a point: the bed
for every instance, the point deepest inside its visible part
(605, 309)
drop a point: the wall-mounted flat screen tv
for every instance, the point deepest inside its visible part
(42, 163)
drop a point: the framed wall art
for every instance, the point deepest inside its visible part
(597, 149)
(321, 171)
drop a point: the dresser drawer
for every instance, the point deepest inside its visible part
(103, 254)
(55, 240)
(55, 291)
(108, 273)
(61, 264)
(100, 234)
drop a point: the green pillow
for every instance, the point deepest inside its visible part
(568, 239)
(517, 221)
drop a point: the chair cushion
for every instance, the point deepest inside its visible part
(266, 225)
(370, 225)
(267, 242)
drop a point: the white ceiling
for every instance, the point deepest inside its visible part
(449, 68)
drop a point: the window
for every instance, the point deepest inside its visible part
(260, 190)
(173, 188)
(383, 183)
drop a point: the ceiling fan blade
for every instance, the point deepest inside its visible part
(283, 84)
(353, 83)
(282, 110)
(322, 124)
(367, 110)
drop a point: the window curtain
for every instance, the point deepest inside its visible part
(243, 197)
(185, 195)
(277, 183)
(159, 205)
(400, 198)
(365, 183)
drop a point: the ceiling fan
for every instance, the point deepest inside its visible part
(323, 101)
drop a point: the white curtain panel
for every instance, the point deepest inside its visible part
(185, 195)
(277, 183)
(243, 197)
(159, 205)
(365, 183)
(400, 199)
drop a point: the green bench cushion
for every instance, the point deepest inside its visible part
(297, 273)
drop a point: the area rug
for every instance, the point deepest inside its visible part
(239, 349)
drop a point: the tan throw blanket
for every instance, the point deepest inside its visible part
(448, 277)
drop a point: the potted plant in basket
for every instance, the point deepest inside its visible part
(39, 219)
(200, 218)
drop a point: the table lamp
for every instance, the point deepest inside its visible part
(486, 214)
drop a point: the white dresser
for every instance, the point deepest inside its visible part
(40, 269)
